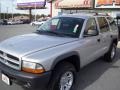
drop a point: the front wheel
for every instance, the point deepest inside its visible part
(63, 77)
(110, 55)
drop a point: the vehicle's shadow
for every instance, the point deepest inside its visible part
(92, 72)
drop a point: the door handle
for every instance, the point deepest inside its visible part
(98, 40)
(111, 36)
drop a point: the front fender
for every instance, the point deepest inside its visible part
(63, 57)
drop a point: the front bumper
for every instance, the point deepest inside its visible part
(27, 80)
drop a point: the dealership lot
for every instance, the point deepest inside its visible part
(98, 75)
(7, 31)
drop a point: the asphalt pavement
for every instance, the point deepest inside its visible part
(98, 75)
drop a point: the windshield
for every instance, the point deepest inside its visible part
(66, 26)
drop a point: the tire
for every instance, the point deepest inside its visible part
(63, 69)
(110, 55)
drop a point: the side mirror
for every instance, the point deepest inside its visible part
(91, 33)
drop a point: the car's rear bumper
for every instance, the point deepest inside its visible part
(26, 80)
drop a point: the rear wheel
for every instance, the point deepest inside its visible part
(63, 77)
(110, 55)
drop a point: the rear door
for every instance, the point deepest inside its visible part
(105, 34)
(113, 28)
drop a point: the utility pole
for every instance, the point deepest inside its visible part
(30, 15)
(4, 15)
(12, 8)
(7, 13)
(0, 9)
(35, 10)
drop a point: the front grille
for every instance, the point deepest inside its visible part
(1, 53)
(9, 60)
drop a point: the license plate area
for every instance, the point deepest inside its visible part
(6, 79)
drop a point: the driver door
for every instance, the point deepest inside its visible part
(92, 42)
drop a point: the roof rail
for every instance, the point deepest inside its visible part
(102, 14)
(89, 13)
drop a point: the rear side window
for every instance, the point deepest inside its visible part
(112, 23)
(103, 24)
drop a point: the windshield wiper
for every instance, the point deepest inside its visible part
(56, 33)
(68, 34)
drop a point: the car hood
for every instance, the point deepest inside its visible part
(29, 43)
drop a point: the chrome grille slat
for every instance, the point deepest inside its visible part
(1, 60)
(12, 57)
(1, 53)
(15, 67)
(10, 60)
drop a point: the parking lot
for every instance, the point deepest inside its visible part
(98, 75)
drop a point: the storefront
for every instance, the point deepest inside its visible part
(66, 4)
(58, 7)
(112, 7)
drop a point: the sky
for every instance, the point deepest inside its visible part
(11, 5)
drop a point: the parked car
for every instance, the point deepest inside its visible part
(11, 22)
(14, 22)
(25, 21)
(51, 57)
(117, 21)
(37, 23)
(3, 22)
(19, 22)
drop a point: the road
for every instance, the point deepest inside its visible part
(98, 75)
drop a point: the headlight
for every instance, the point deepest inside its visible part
(32, 67)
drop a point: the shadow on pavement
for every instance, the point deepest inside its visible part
(92, 72)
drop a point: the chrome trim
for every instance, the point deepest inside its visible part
(15, 64)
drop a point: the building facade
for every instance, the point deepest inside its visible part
(58, 7)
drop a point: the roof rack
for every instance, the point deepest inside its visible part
(89, 13)
(102, 14)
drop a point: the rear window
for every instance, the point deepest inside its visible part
(112, 23)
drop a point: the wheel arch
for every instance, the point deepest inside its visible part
(115, 41)
(72, 57)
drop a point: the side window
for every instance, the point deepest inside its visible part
(103, 24)
(112, 23)
(91, 28)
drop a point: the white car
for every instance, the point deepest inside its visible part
(12, 22)
(19, 22)
(37, 23)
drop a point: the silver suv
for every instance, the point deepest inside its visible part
(50, 57)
